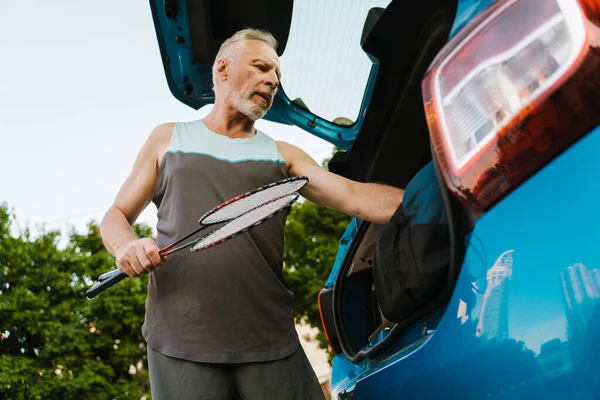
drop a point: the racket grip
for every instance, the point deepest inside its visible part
(105, 281)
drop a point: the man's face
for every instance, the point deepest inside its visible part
(253, 78)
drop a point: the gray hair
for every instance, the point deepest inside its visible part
(226, 50)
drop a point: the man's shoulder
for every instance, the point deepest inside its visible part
(288, 148)
(285, 149)
(166, 128)
(162, 132)
(285, 145)
(291, 153)
(159, 139)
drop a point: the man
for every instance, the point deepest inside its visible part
(219, 323)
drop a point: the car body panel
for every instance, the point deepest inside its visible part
(344, 245)
(466, 10)
(524, 319)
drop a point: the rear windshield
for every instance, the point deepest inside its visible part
(323, 64)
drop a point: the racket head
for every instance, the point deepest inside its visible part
(245, 202)
(245, 222)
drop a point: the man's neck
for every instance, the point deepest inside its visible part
(229, 122)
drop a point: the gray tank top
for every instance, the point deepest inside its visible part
(229, 303)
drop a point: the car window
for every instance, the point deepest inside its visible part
(324, 68)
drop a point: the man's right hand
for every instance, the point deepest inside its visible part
(138, 257)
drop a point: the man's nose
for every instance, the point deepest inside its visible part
(272, 80)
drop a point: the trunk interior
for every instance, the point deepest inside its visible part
(392, 147)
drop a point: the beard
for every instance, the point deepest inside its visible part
(246, 106)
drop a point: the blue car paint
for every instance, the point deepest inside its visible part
(465, 11)
(191, 83)
(540, 338)
(524, 319)
(283, 110)
(344, 246)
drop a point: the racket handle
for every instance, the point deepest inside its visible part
(115, 276)
(105, 281)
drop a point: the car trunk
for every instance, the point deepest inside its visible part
(393, 147)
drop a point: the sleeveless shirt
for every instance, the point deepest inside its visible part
(229, 303)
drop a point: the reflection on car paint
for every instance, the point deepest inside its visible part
(524, 320)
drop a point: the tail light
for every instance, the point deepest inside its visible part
(510, 91)
(327, 320)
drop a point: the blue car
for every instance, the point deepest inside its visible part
(486, 282)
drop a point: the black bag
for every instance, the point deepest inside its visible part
(412, 252)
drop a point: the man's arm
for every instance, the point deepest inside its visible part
(369, 201)
(133, 255)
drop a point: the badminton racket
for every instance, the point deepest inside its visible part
(238, 215)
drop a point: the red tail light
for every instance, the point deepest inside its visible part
(323, 322)
(511, 90)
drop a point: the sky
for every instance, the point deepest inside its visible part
(82, 86)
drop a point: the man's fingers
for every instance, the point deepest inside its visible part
(139, 258)
(131, 265)
(152, 253)
(145, 262)
(137, 267)
(126, 267)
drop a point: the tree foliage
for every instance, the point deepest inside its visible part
(311, 240)
(54, 343)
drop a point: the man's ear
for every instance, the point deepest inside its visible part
(222, 69)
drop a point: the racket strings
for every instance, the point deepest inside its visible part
(237, 215)
(240, 206)
(245, 222)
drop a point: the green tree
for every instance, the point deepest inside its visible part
(54, 343)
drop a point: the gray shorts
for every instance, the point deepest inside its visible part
(291, 378)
